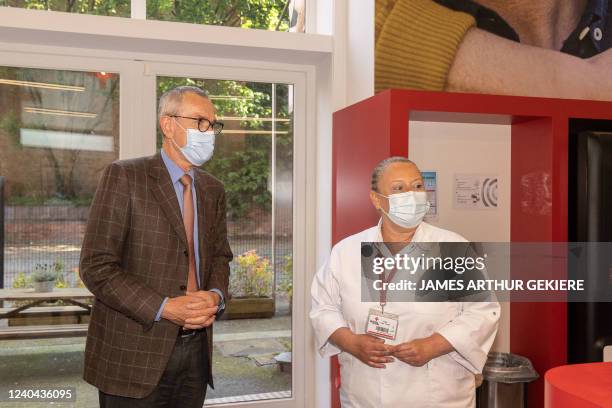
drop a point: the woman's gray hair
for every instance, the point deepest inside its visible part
(170, 101)
(382, 166)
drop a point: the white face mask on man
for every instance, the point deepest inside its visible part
(199, 147)
(407, 209)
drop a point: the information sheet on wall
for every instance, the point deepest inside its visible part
(476, 191)
(430, 178)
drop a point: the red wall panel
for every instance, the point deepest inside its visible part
(377, 127)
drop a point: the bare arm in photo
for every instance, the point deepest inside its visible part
(486, 63)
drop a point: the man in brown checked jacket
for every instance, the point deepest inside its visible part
(156, 257)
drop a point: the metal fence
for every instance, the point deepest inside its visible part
(53, 235)
(42, 235)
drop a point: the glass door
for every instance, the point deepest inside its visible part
(259, 344)
(254, 159)
(59, 128)
(63, 119)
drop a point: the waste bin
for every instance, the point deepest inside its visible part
(505, 381)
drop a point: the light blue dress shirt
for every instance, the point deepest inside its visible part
(175, 175)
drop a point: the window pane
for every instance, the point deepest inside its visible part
(58, 130)
(275, 15)
(254, 159)
(117, 8)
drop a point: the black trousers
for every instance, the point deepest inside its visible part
(183, 383)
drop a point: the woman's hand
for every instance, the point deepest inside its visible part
(416, 352)
(371, 350)
(368, 349)
(419, 352)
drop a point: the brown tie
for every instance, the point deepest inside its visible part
(188, 219)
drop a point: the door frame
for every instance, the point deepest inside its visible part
(138, 99)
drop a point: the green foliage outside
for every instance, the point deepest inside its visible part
(37, 200)
(243, 165)
(21, 281)
(42, 273)
(43, 276)
(261, 14)
(46, 272)
(245, 175)
(118, 8)
(286, 283)
(244, 169)
(252, 276)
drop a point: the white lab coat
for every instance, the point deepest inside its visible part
(445, 382)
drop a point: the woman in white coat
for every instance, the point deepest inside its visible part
(438, 347)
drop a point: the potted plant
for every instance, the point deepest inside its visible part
(43, 280)
(251, 288)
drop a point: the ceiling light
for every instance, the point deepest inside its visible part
(59, 112)
(44, 85)
(252, 118)
(253, 132)
(229, 97)
(54, 139)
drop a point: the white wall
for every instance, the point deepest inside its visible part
(360, 50)
(351, 79)
(455, 148)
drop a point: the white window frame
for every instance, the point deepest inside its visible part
(338, 47)
(138, 72)
(301, 350)
(127, 147)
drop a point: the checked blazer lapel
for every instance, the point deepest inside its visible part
(163, 190)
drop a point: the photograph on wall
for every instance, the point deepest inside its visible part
(556, 49)
(430, 178)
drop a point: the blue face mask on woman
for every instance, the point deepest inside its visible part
(199, 147)
(407, 209)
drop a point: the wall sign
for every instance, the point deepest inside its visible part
(430, 178)
(475, 191)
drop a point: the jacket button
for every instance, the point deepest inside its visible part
(183, 287)
(186, 253)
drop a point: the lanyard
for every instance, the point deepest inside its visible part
(383, 291)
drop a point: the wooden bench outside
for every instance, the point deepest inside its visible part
(32, 321)
(47, 315)
(47, 310)
(43, 332)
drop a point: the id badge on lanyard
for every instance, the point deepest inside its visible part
(381, 324)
